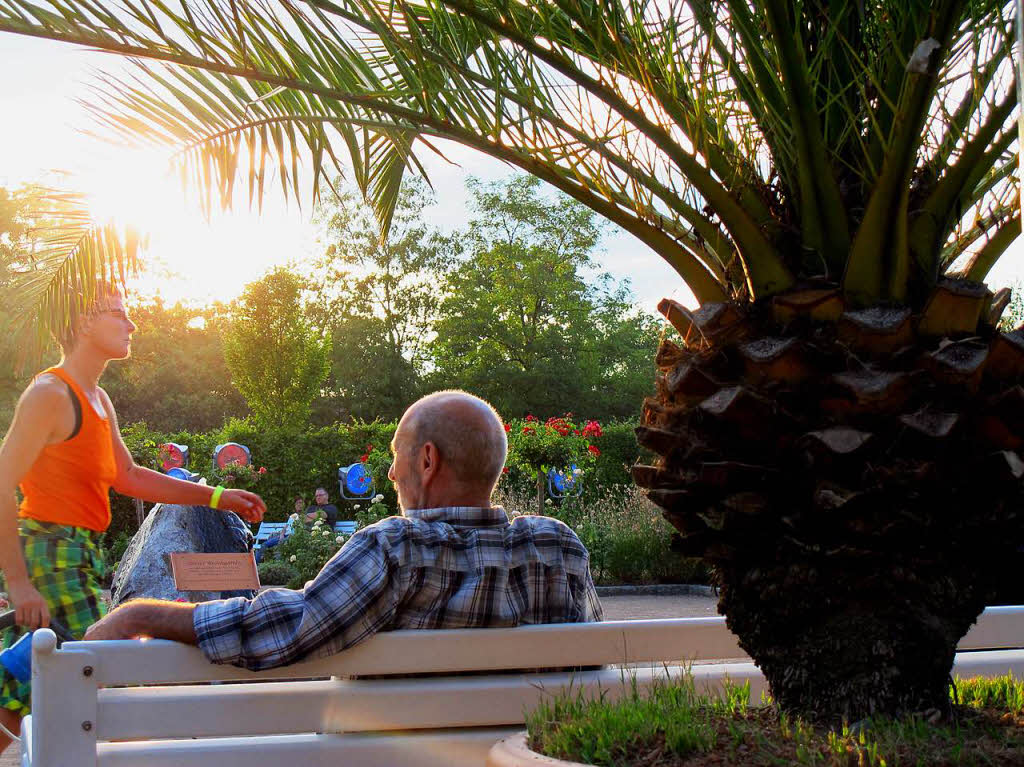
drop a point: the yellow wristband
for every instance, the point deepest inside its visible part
(215, 498)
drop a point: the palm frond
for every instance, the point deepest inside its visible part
(790, 138)
(56, 278)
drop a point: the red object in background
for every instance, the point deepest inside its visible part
(232, 454)
(594, 450)
(171, 456)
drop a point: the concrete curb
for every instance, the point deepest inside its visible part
(659, 590)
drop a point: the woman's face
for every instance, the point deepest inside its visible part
(300, 505)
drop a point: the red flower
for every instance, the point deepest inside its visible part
(592, 429)
(504, 470)
(593, 450)
(369, 448)
(531, 418)
(263, 470)
(364, 458)
(507, 428)
(529, 430)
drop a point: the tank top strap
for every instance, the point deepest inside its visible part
(83, 401)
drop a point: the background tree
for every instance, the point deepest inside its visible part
(176, 378)
(522, 326)
(378, 297)
(277, 359)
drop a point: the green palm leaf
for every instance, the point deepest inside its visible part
(749, 143)
(54, 280)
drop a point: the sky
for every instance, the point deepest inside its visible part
(42, 134)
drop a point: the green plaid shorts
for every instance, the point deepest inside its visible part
(66, 566)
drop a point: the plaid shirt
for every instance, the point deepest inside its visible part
(456, 567)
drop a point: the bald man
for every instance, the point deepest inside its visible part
(452, 560)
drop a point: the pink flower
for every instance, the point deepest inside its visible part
(263, 470)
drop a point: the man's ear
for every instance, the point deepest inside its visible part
(430, 462)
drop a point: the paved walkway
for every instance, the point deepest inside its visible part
(615, 609)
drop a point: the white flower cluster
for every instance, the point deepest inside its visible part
(291, 558)
(356, 506)
(327, 533)
(547, 501)
(340, 539)
(378, 498)
(293, 517)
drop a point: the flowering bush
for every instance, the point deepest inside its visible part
(238, 476)
(307, 550)
(375, 511)
(557, 443)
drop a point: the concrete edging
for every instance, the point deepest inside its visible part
(658, 590)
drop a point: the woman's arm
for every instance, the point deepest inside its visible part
(140, 482)
(35, 418)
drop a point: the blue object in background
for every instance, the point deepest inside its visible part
(231, 453)
(184, 474)
(18, 657)
(565, 483)
(355, 481)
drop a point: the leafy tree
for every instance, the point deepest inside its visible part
(378, 297)
(176, 378)
(522, 327)
(831, 179)
(277, 359)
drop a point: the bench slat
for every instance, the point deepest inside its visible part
(440, 749)
(367, 705)
(405, 652)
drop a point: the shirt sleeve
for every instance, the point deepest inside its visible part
(592, 609)
(353, 597)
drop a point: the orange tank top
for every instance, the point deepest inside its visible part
(69, 483)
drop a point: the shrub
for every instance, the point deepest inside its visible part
(375, 511)
(274, 572)
(628, 540)
(307, 550)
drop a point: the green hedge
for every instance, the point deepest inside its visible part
(298, 463)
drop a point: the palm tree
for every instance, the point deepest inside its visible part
(838, 431)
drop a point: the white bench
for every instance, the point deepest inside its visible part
(300, 715)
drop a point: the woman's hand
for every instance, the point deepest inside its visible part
(248, 506)
(30, 609)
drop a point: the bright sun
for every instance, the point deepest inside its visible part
(192, 257)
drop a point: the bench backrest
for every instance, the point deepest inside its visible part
(68, 682)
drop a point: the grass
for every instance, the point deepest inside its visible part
(672, 725)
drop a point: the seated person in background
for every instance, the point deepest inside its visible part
(321, 506)
(278, 536)
(452, 560)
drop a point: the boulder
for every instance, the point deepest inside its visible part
(145, 569)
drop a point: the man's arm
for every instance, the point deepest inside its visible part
(147, 618)
(35, 419)
(140, 482)
(353, 597)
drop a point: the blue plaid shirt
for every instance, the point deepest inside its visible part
(456, 567)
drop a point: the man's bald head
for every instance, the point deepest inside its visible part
(467, 432)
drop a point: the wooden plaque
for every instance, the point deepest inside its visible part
(214, 572)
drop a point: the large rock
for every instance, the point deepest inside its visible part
(145, 569)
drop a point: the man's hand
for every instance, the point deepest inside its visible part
(248, 506)
(30, 609)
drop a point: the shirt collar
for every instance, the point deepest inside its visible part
(475, 516)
